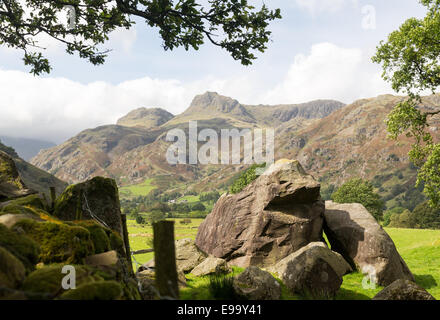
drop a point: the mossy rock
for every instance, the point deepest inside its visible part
(100, 290)
(11, 185)
(98, 195)
(131, 290)
(12, 270)
(33, 200)
(116, 243)
(98, 234)
(46, 283)
(17, 209)
(21, 246)
(58, 242)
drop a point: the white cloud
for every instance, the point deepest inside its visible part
(318, 6)
(58, 108)
(329, 72)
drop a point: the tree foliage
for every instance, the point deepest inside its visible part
(360, 191)
(410, 59)
(245, 178)
(422, 217)
(233, 25)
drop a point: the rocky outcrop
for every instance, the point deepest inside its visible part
(95, 199)
(211, 265)
(354, 233)
(403, 290)
(312, 270)
(277, 214)
(256, 284)
(11, 184)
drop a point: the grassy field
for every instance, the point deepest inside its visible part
(419, 248)
(141, 236)
(141, 189)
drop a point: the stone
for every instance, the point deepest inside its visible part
(403, 290)
(10, 219)
(355, 234)
(147, 289)
(278, 213)
(12, 271)
(256, 284)
(188, 256)
(99, 290)
(96, 199)
(147, 280)
(103, 259)
(312, 270)
(211, 265)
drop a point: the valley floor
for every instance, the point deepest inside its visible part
(419, 248)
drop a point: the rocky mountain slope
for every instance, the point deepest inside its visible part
(33, 177)
(134, 151)
(334, 142)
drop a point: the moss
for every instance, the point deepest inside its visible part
(58, 242)
(116, 242)
(12, 271)
(33, 200)
(21, 246)
(45, 283)
(98, 235)
(17, 209)
(101, 290)
(98, 195)
(8, 171)
(131, 290)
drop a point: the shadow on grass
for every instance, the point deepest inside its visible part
(425, 280)
(345, 294)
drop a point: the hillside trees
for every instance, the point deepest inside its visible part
(422, 217)
(233, 25)
(360, 191)
(410, 59)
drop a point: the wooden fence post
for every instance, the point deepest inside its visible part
(126, 242)
(165, 259)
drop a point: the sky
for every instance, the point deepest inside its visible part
(320, 49)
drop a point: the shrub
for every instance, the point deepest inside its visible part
(245, 178)
(360, 191)
(140, 219)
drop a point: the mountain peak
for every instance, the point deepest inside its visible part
(213, 100)
(145, 117)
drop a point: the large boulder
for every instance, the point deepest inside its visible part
(355, 234)
(211, 265)
(312, 270)
(277, 214)
(11, 185)
(403, 290)
(96, 199)
(256, 284)
(188, 256)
